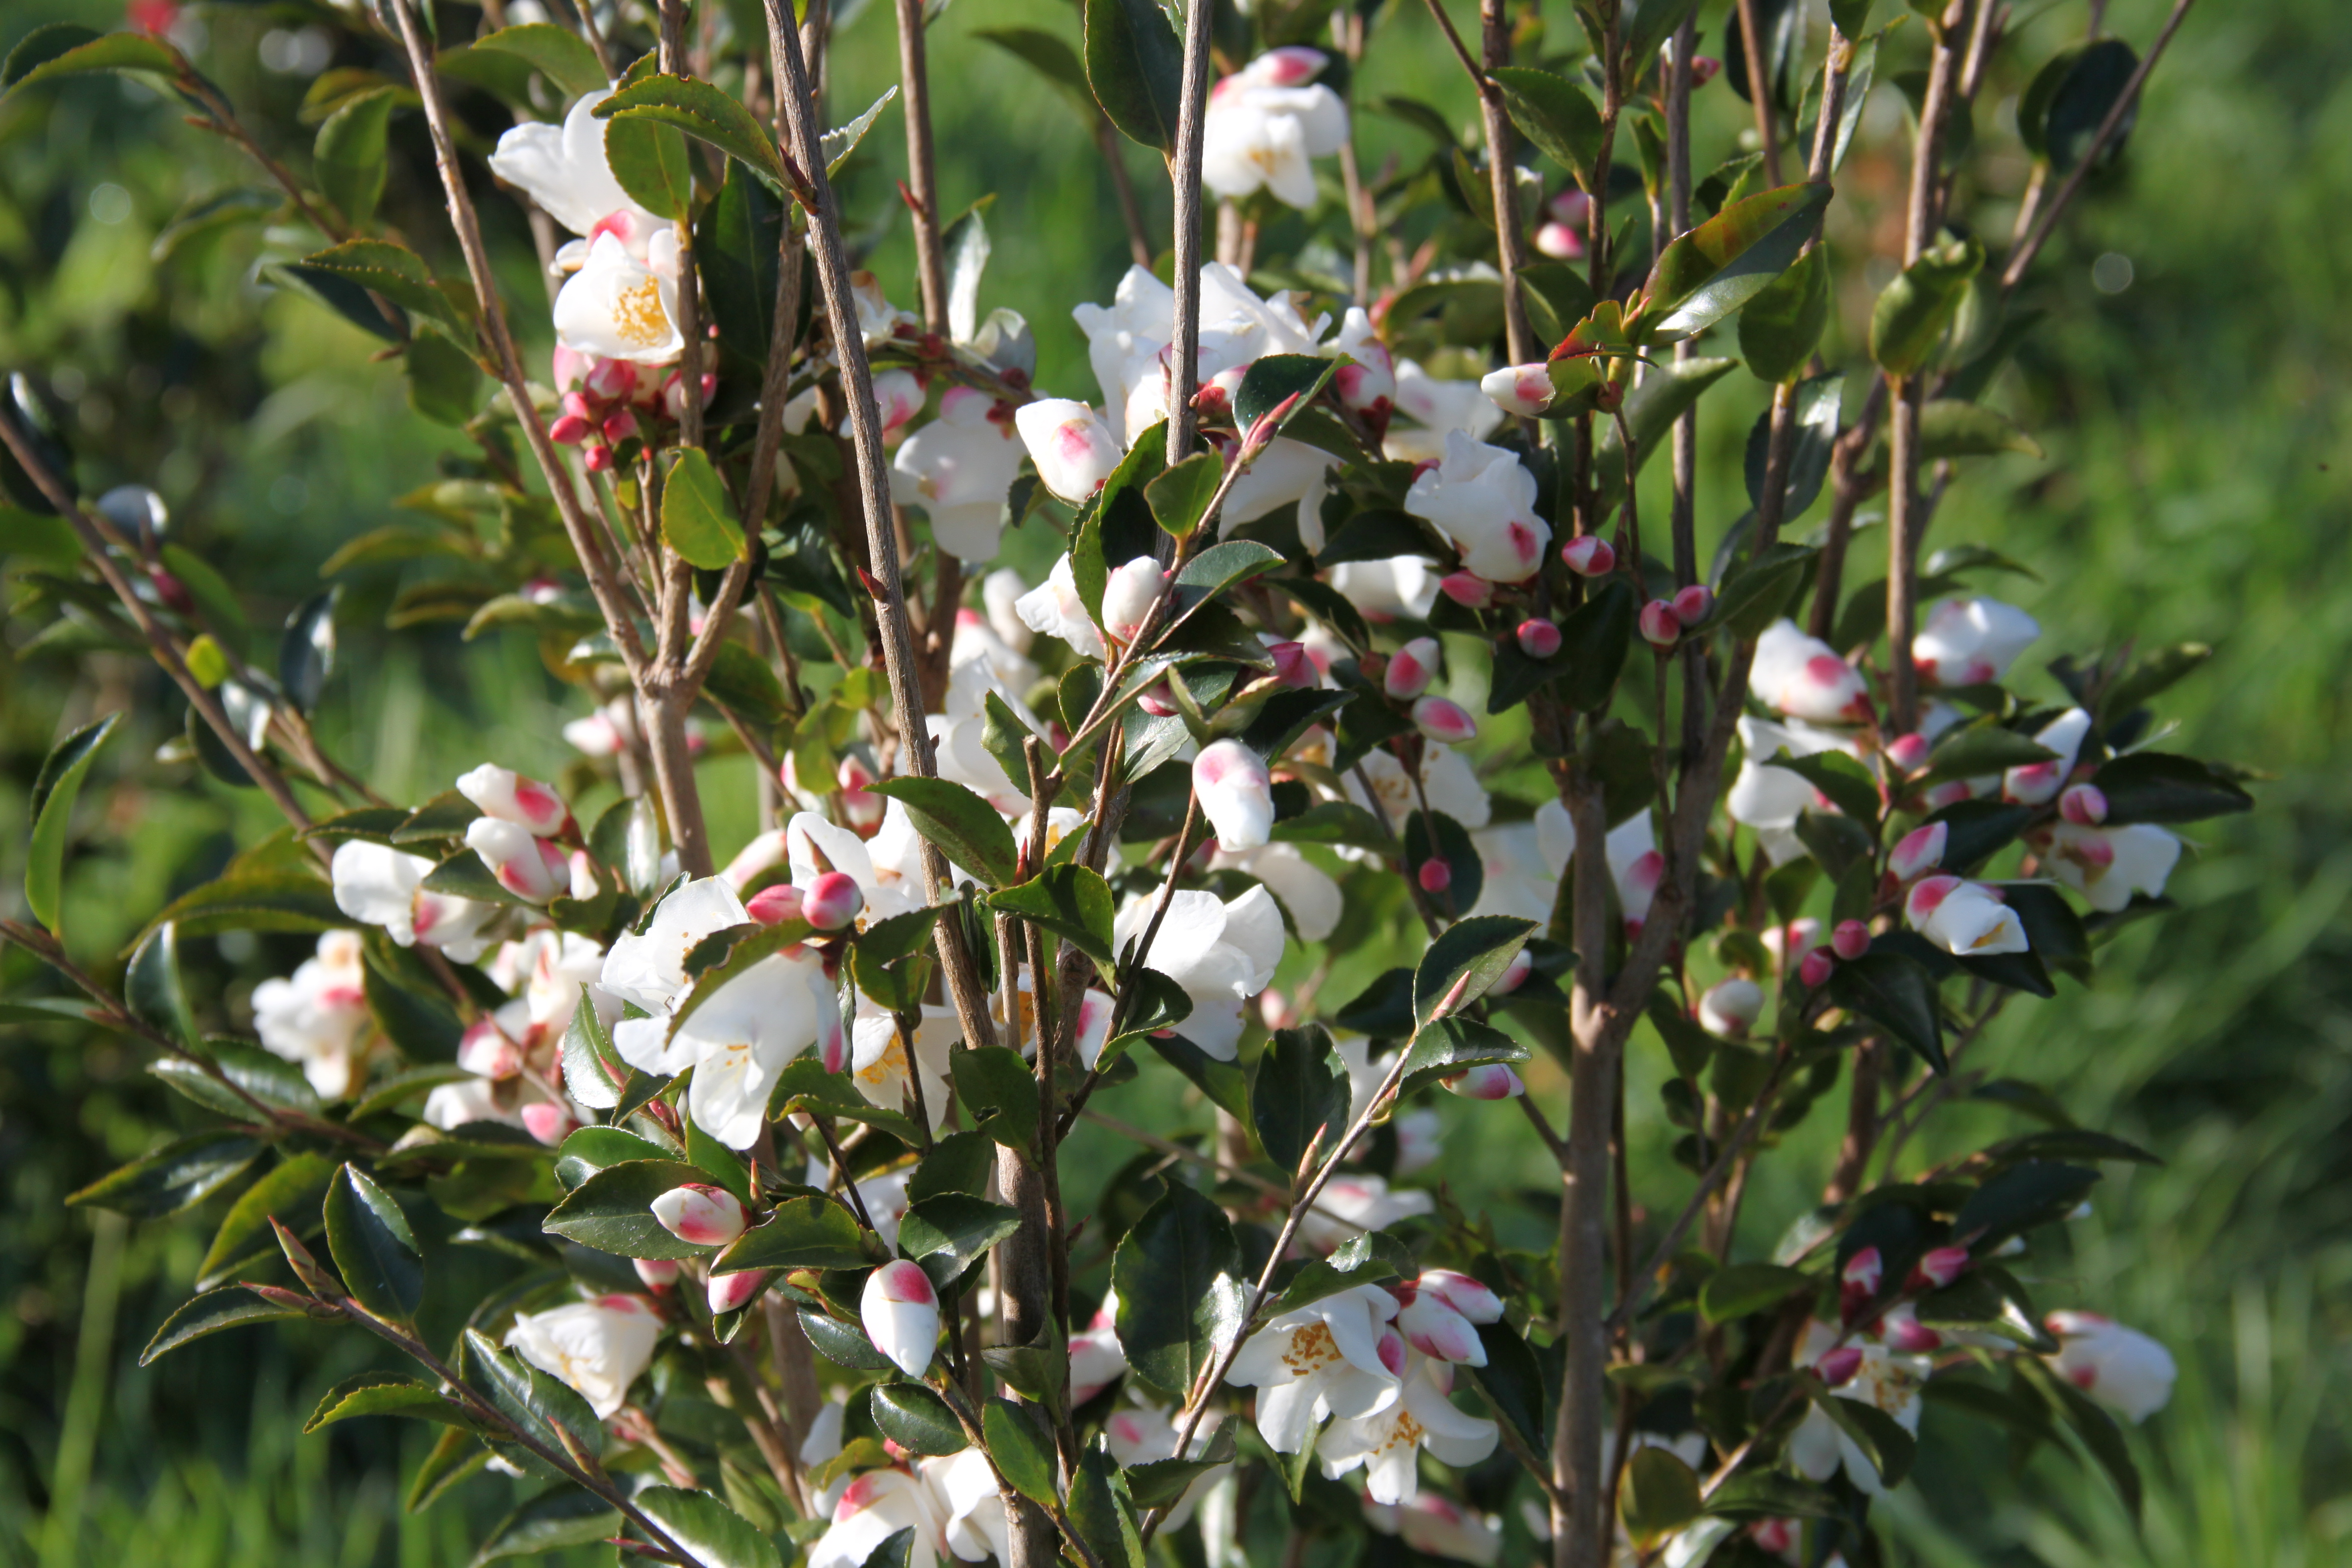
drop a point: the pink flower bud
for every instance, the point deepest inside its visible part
(1729, 1008)
(1157, 700)
(1537, 638)
(1410, 668)
(701, 1215)
(597, 459)
(510, 798)
(1293, 65)
(1524, 389)
(548, 1123)
(1434, 875)
(1938, 1268)
(569, 430)
(1467, 589)
(1129, 596)
(1489, 1081)
(1638, 887)
(1274, 1009)
(735, 1290)
(774, 904)
(1560, 242)
(1514, 974)
(2084, 805)
(1589, 556)
(1661, 627)
(1920, 851)
(528, 867)
(1908, 753)
(1850, 940)
(1293, 666)
(1704, 69)
(658, 1273)
(612, 379)
(1815, 968)
(833, 901)
(1571, 206)
(1837, 1367)
(620, 427)
(1903, 1331)
(1858, 1282)
(901, 1314)
(1235, 790)
(1692, 604)
(1446, 722)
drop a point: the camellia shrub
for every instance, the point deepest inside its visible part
(1355, 644)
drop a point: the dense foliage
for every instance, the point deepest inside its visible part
(1303, 573)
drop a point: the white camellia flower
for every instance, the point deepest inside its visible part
(1386, 1443)
(965, 1485)
(1441, 408)
(1073, 449)
(379, 886)
(1265, 122)
(1383, 590)
(597, 1347)
(1288, 473)
(1972, 642)
(979, 641)
(550, 970)
(2108, 865)
(1097, 1358)
(901, 1314)
(1483, 498)
(649, 968)
(1963, 917)
(959, 747)
(1517, 880)
(1442, 1312)
(823, 1442)
(1349, 1205)
(884, 867)
(1145, 1434)
(1124, 343)
(1446, 778)
(1437, 1526)
(1334, 1357)
(961, 465)
(622, 306)
(1053, 609)
(1221, 955)
(1803, 678)
(1368, 387)
(878, 1061)
(1000, 592)
(1236, 794)
(318, 1018)
(1303, 888)
(1880, 1378)
(1729, 1008)
(1770, 799)
(530, 868)
(1631, 850)
(2036, 783)
(875, 1507)
(2122, 1368)
(564, 169)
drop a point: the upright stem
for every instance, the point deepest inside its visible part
(1122, 184)
(1502, 177)
(1684, 515)
(1578, 1518)
(1185, 173)
(1760, 93)
(914, 82)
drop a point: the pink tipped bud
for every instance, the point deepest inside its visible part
(597, 459)
(658, 1273)
(1571, 206)
(700, 1214)
(1837, 1367)
(1235, 790)
(1434, 875)
(1129, 596)
(1908, 753)
(1858, 1282)
(1692, 604)
(774, 904)
(1850, 940)
(527, 865)
(1410, 668)
(1921, 850)
(735, 1290)
(620, 427)
(2084, 805)
(1816, 967)
(1538, 639)
(1489, 1081)
(1514, 974)
(569, 430)
(1661, 627)
(1927, 896)
(1589, 556)
(901, 1314)
(1938, 1268)
(1293, 667)
(1274, 1009)
(833, 901)
(1446, 722)
(1391, 1349)
(1704, 69)
(548, 1123)
(1560, 241)
(1524, 389)
(1467, 589)
(1157, 700)
(1904, 1331)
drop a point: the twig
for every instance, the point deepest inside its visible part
(1185, 173)
(923, 178)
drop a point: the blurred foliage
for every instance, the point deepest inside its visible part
(2195, 421)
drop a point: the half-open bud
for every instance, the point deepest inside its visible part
(1729, 1007)
(1524, 389)
(2084, 805)
(1908, 753)
(510, 798)
(1410, 668)
(1661, 627)
(833, 901)
(1938, 1268)
(1837, 1367)
(1537, 638)
(1128, 594)
(1293, 667)
(487, 1049)
(1514, 974)
(1920, 851)
(1467, 589)
(658, 1273)
(1071, 446)
(774, 904)
(527, 865)
(1489, 1080)
(735, 1289)
(1850, 940)
(1858, 1282)
(700, 1214)
(1445, 722)
(901, 1314)
(1236, 794)
(1589, 555)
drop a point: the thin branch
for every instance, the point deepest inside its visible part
(923, 178)
(1185, 173)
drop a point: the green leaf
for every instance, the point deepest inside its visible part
(1593, 642)
(390, 269)
(1100, 1515)
(153, 990)
(612, 1210)
(960, 1163)
(1781, 326)
(375, 1249)
(1023, 1454)
(1179, 1294)
(1850, 16)
(1514, 1384)
(593, 1149)
(1273, 380)
(290, 1193)
(650, 162)
(1000, 1090)
(839, 143)
(966, 828)
(950, 1231)
(702, 111)
(2152, 787)
(2099, 1431)
(1949, 427)
(229, 1306)
(1760, 589)
(1882, 1441)
(55, 790)
(1897, 994)
(1135, 66)
(1336, 822)
(306, 652)
(1725, 262)
(1817, 410)
(180, 1173)
(455, 1459)
(1668, 391)
(2083, 95)
(347, 159)
(444, 385)
(384, 1394)
(536, 1402)
(698, 521)
(917, 1419)
(1554, 113)
(2019, 1198)
(843, 1344)
(1746, 1287)
(63, 48)
(736, 251)
(1660, 1493)
(1978, 750)
(1653, 22)
(1466, 958)
(594, 1072)
(567, 1516)
(1159, 1483)
(1180, 497)
(271, 1079)
(1450, 1045)
(559, 54)
(1071, 901)
(1298, 1098)
(1914, 311)
(1224, 1082)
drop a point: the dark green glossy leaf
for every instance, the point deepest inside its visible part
(1593, 641)
(557, 53)
(181, 1173)
(153, 990)
(702, 111)
(290, 1193)
(567, 1516)
(1894, 992)
(966, 828)
(1180, 498)
(1023, 1454)
(1135, 64)
(1659, 1493)
(1556, 114)
(1298, 1098)
(1070, 901)
(1760, 589)
(1000, 1090)
(2152, 787)
(229, 1306)
(1179, 1297)
(373, 1247)
(1746, 1287)
(948, 1231)
(54, 791)
(1725, 262)
(1882, 1441)
(384, 1394)
(843, 1344)
(1451, 1046)
(347, 159)
(1781, 326)
(1465, 959)
(2019, 1198)
(917, 1419)
(1914, 311)
(612, 1210)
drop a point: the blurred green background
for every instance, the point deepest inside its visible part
(2195, 419)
